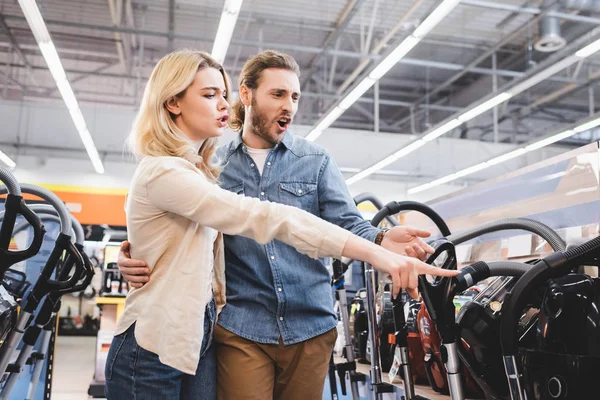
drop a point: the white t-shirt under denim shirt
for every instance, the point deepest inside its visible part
(259, 156)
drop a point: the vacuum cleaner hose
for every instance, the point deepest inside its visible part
(481, 270)
(395, 207)
(10, 181)
(547, 233)
(59, 206)
(75, 225)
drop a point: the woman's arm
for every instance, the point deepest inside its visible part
(175, 186)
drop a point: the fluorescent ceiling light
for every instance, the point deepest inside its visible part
(435, 17)
(386, 161)
(324, 124)
(443, 9)
(587, 126)
(467, 171)
(543, 75)
(67, 94)
(40, 32)
(589, 49)
(515, 90)
(550, 140)
(437, 182)
(7, 160)
(480, 109)
(356, 93)
(471, 170)
(392, 59)
(35, 21)
(229, 16)
(507, 156)
(447, 127)
(53, 61)
(450, 178)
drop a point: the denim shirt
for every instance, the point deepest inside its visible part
(273, 291)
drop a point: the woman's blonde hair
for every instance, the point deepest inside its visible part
(154, 131)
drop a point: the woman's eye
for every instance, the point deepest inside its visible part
(209, 96)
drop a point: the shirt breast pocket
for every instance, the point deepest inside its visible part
(298, 194)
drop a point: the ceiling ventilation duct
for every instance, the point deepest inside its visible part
(549, 28)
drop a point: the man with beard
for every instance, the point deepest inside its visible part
(276, 333)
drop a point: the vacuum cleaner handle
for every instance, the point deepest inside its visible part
(81, 277)
(369, 197)
(436, 293)
(395, 207)
(15, 205)
(64, 286)
(44, 284)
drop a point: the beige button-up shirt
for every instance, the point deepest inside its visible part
(171, 211)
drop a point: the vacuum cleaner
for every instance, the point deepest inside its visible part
(45, 284)
(565, 357)
(13, 207)
(400, 334)
(464, 338)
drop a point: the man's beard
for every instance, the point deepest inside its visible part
(260, 125)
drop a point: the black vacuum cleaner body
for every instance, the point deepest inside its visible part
(559, 339)
(479, 329)
(359, 325)
(565, 361)
(8, 313)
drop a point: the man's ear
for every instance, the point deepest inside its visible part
(245, 95)
(173, 106)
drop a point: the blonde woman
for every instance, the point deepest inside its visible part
(175, 209)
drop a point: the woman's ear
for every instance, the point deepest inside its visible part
(245, 95)
(173, 106)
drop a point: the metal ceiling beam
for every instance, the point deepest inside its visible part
(498, 5)
(116, 7)
(197, 38)
(382, 43)
(130, 21)
(171, 25)
(352, 7)
(507, 39)
(15, 45)
(85, 75)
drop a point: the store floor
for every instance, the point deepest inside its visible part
(73, 367)
(74, 370)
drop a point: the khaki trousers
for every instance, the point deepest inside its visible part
(249, 370)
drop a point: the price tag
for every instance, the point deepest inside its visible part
(395, 365)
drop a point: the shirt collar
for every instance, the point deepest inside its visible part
(288, 140)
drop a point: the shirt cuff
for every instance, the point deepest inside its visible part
(335, 242)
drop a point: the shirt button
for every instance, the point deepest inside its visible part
(280, 289)
(252, 165)
(269, 164)
(272, 257)
(281, 318)
(262, 193)
(299, 190)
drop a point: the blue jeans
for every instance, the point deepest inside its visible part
(133, 373)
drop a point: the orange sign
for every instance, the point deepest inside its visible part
(90, 205)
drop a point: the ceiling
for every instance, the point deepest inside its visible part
(108, 49)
